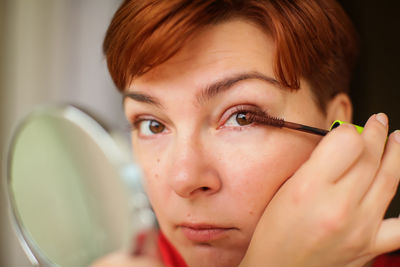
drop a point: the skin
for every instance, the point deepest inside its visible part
(268, 188)
(357, 182)
(203, 146)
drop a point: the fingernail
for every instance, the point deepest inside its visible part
(382, 119)
(397, 136)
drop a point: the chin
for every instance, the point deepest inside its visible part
(206, 255)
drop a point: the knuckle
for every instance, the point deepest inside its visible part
(303, 192)
(333, 220)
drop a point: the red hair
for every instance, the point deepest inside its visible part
(314, 39)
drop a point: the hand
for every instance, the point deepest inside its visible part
(330, 212)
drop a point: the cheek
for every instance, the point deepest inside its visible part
(149, 159)
(154, 182)
(253, 169)
(252, 165)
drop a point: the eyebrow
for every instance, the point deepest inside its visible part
(218, 87)
(210, 91)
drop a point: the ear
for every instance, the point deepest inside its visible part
(339, 108)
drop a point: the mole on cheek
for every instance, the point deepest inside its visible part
(158, 160)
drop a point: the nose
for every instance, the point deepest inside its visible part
(192, 170)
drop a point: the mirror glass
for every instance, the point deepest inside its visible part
(66, 189)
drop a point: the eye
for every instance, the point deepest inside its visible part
(150, 127)
(238, 119)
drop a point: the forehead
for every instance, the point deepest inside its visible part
(217, 51)
(214, 54)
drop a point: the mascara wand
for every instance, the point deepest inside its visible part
(263, 118)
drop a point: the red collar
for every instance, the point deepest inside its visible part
(169, 255)
(387, 260)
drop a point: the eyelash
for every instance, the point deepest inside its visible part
(243, 109)
(135, 125)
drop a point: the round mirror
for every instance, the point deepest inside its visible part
(67, 187)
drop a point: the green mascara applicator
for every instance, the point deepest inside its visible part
(337, 123)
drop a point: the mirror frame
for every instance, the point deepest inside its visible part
(82, 120)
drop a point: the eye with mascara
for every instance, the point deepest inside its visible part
(240, 117)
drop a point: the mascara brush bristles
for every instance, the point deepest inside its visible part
(263, 118)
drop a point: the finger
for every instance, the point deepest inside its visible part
(385, 185)
(375, 134)
(388, 237)
(335, 154)
(362, 175)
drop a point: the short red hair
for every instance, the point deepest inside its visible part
(315, 39)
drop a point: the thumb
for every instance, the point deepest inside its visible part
(388, 236)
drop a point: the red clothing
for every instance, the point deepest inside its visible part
(387, 260)
(171, 257)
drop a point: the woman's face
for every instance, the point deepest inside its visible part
(208, 173)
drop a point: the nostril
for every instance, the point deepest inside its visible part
(204, 188)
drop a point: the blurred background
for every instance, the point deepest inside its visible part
(375, 86)
(50, 52)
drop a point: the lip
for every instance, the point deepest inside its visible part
(203, 233)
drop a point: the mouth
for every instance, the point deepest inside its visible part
(202, 233)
